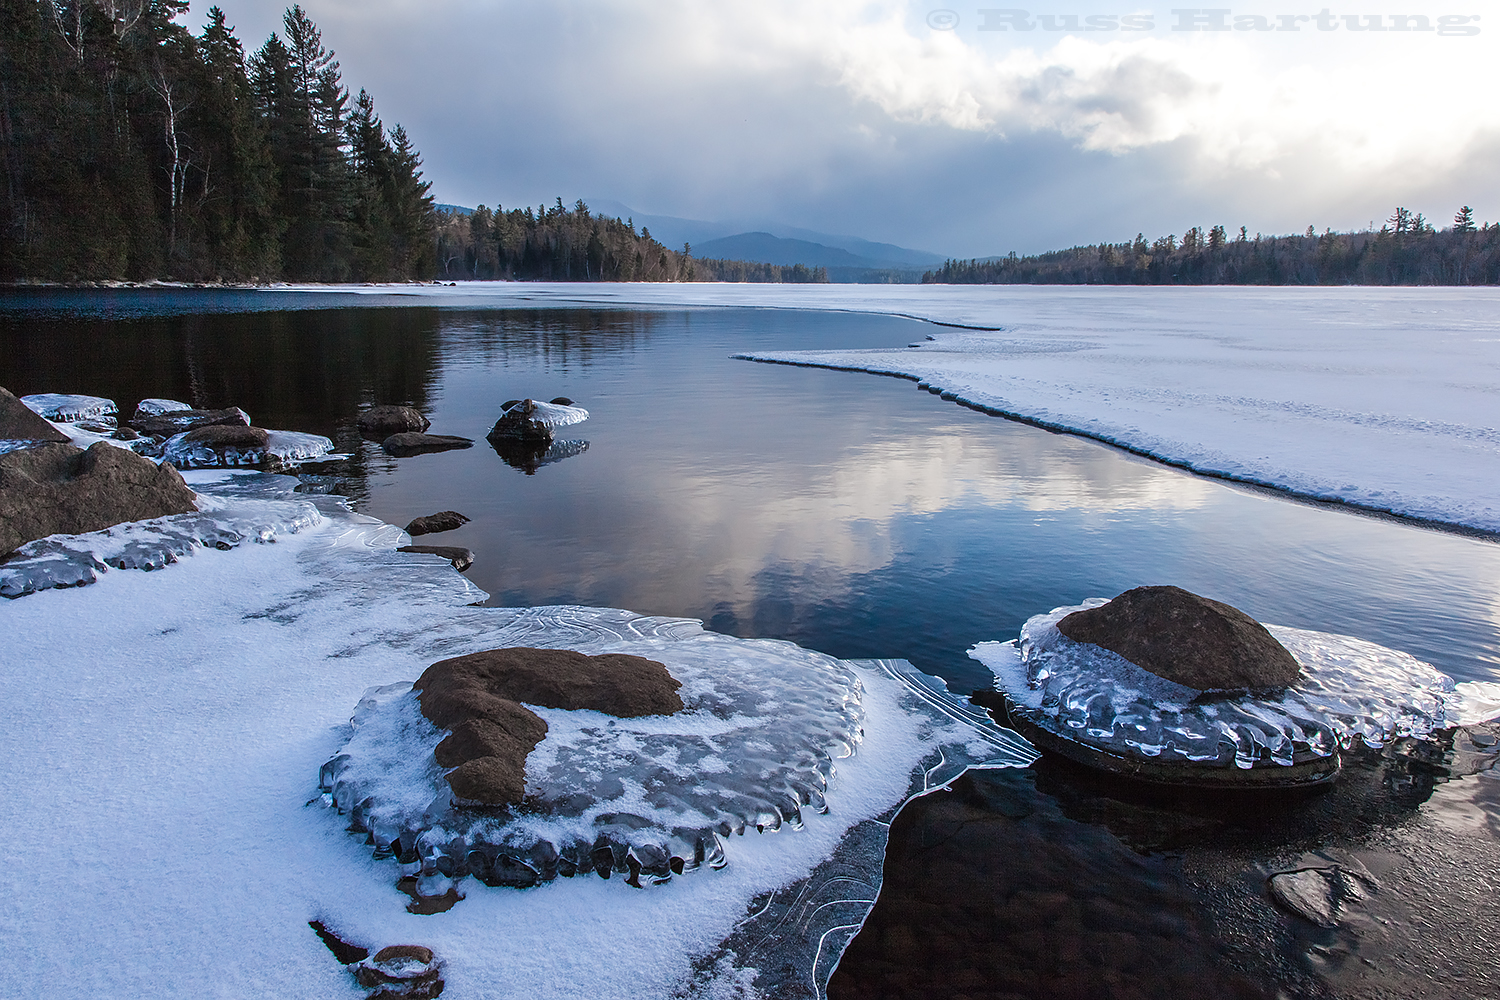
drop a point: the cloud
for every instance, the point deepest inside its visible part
(856, 116)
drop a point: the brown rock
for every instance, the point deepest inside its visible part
(383, 421)
(1191, 640)
(177, 421)
(18, 422)
(478, 698)
(57, 488)
(460, 557)
(220, 436)
(431, 524)
(410, 443)
(519, 423)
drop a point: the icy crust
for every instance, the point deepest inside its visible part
(67, 408)
(78, 560)
(555, 415)
(755, 745)
(284, 447)
(156, 407)
(1352, 690)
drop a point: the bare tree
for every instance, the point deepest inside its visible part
(177, 168)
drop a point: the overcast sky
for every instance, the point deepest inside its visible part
(941, 128)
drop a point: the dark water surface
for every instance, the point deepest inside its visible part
(848, 513)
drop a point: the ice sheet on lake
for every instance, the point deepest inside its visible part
(1380, 397)
(165, 730)
(70, 408)
(1351, 690)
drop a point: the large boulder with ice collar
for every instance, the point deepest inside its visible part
(1187, 639)
(479, 699)
(61, 489)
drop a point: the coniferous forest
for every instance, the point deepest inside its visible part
(1406, 250)
(134, 149)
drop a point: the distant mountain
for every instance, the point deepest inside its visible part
(455, 209)
(674, 231)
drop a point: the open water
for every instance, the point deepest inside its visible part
(852, 514)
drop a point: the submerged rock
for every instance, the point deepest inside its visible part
(1321, 896)
(383, 421)
(478, 698)
(529, 420)
(431, 524)
(410, 443)
(61, 489)
(19, 422)
(1187, 639)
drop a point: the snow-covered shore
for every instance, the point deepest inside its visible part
(162, 741)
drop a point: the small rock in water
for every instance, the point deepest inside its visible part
(383, 421)
(1190, 640)
(460, 557)
(410, 443)
(1319, 895)
(431, 524)
(561, 401)
(528, 420)
(19, 422)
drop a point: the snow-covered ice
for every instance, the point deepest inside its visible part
(162, 741)
(1381, 397)
(1351, 690)
(156, 407)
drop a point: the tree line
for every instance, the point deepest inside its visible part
(134, 148)
(557, 243)
(1406, 250)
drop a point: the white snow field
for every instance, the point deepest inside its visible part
(161, 748)
(1387, 398)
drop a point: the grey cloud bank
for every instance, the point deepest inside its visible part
(870, 119)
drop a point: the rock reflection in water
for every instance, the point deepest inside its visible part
(529, 456)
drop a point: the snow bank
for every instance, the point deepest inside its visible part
(163, 736)
(1379, 397)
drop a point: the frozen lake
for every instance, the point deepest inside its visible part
(850, 514)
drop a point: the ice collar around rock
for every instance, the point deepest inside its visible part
(753, 745)
(1350, 691)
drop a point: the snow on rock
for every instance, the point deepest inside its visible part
(1351, 690)
(291, 447)
(68, 409)
(156, 407)
(529, 420)
(164, 731)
